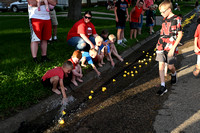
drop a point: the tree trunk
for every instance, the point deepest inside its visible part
(74, 12)
(88, 3)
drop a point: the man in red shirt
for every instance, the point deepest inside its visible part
(81, 35)
(54, 78)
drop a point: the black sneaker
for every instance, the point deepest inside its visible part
(36, 60)
(162, 91)
(173, 79)
(45, 59)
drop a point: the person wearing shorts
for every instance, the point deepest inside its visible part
(135, 19)
(82, 34)
(54, 23)
(40, 26)
(121, 10)
(170, 36)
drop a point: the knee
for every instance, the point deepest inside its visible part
(81, 46)
(171, 67)
(55, 79)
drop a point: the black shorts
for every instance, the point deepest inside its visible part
(134, 25)
(120, 24)
(47, 83)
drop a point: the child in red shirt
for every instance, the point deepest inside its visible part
(76, 71)
(135, 19)
(197, 48)
(54, 78)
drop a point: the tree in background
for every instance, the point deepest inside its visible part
(74, 12)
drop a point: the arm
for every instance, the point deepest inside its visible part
(76, 73)
(132, 12)
(116, 17)
(127, 14)
(62, 88)
(94, 67)
(95, 35)
(86, 39)
(196, 49)
(52, 2)
(171, 52)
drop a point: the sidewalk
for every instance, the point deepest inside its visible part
(181, 112)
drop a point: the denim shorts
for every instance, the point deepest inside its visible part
(78, 41)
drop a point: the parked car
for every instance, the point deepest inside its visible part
(21, 5)
(3, 7)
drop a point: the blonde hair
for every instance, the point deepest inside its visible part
(98, 38)
(111, 37)
(93, 50)
(167, 4)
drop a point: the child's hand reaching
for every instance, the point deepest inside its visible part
(65, 101)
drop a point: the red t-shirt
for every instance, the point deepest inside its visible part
(81, 27)
(58, 71)
(136, 14)
(197, 34)
(74, 64)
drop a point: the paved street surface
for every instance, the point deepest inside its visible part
(181, 112)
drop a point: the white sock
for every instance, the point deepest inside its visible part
(119, 41)
(163, 84)
(174, 74)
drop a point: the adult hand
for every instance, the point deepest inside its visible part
(196, 49)
(92, 46)
(116, 19)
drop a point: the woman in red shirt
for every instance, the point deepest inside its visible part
(81, 35)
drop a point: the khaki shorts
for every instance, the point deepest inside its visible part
(54, 20)
(163, 57)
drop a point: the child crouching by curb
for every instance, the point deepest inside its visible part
(77, 70)
(54, 78)
(87, 56)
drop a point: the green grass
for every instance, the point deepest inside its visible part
(20, 85)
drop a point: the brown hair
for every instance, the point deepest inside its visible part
(167, 4)
(77, 54)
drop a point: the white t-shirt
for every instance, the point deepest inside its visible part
(42, 14)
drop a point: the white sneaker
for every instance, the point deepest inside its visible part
(55, 38)
(122, 44)
(50, 39)
(124, 40)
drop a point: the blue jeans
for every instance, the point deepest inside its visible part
(78, 42)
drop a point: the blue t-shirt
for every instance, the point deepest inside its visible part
(88, 57)
(108, 46)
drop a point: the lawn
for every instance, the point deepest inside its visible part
(20, 85)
